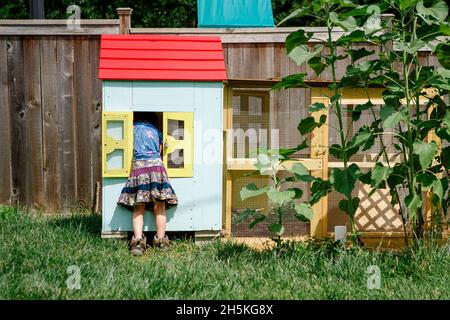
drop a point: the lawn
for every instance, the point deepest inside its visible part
(36, 254)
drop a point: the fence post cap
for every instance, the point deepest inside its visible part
(124, 11)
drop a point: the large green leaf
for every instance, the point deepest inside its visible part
(425, 179)
(286, 152)
(445, 29)
(317, 64)
(344, 180)
(304, 211)
(348, 24)
(413, 203)
(301, 54)
(391, 117)
(297, 38)
(251, 190)
(266, 163)
(438, 189)
(276, 228)
(354, 36)
(365, 106)
(292, 81)
(410, 47)
(446, 120)
(280, 197)
(319, 189)
(445, 157)
(359, 53)
(298, 192)
(258, 218)
(344, 205)
(379, 174)
(317, 106)
(398, 176)
(301, 173)
(308, 124)
(360, 138)
(299, 169)
(436, 13)
(394, 119)
(296, 13)
(406, 4)
(426, 152)
(429, 181)
(247, 213)
(443, 54)
(336, 151)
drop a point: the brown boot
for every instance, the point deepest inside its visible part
(138, 246)
(162, 243)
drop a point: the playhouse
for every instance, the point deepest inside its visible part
(181, 79)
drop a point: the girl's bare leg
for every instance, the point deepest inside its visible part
(161, 220)
(138, 220)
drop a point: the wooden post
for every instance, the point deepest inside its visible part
(431, 136)
(124, 20)
(227, 177)
(37, 9)
(319, 150)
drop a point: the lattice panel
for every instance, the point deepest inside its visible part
(375, 213)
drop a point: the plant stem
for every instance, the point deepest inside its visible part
(411, 171)
(332, 49)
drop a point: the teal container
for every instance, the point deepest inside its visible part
(234, 13)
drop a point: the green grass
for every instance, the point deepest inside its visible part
(36, 251)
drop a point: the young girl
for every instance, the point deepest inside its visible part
(148, 184)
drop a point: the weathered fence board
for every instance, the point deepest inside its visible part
(30, 125)
(5, 128)
(50, 136)
(51, 105)
(16, 98)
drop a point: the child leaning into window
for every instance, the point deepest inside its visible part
(147, 184)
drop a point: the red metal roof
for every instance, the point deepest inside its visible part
(161, 57)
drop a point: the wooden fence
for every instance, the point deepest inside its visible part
(50, 102)
(50, 114)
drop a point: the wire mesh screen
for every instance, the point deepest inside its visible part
(366, 119)
(176, 130)
(268, 119)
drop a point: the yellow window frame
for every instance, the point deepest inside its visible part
(187, 144)
(109, 144)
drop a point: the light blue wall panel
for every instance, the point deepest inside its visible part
(208, 154)
(117, 95)
(171, 96)
(200, 197)
(118, 218)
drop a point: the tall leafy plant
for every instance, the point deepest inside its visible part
(398, 68)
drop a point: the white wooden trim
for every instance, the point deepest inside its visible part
(243, 35)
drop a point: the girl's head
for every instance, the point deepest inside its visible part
(146, 117)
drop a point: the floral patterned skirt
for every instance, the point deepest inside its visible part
(148, 181)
